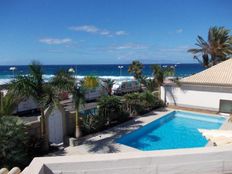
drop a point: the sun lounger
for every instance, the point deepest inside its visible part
(218, 137)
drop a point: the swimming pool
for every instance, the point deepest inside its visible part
(175, 130)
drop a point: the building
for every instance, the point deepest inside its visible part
(210, 89)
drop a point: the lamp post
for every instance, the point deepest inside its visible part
(174, 69)
(71, 70)
(120, 69)
(13, 68)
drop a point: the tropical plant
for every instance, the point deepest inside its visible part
(147, 99)
(136, 68)
(110, 108)
(13, 142)
(132, 101)
(33, 85)
(216, 49)
(78, 99)
(151, 84)
(8, 103)
(63, 81)
(108, 85)
(140, 103)
(159, 73)
(89, 82)
(92, 123)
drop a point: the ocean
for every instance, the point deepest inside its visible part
(102, 71)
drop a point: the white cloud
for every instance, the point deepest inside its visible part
(120, 33)
(105, 32)
(55, 41)
(129, 46)
(182, 48)
(179, 30)
(95, 30)
(85, 28)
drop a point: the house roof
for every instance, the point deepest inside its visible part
(218, 75)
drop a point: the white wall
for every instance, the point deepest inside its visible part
(196, 96)
(211, 160)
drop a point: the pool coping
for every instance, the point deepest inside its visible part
(105, 141)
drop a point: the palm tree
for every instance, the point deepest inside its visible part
(151, 84)
(217, 49)
(78, 99)
(33, 85)
(8, 103)
(160, 73)
(136, 68)
(108, 85)
(63, 81)
(89, 82)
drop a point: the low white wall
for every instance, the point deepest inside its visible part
(211, 160)
(196, 96)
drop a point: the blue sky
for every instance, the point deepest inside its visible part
(106, 31)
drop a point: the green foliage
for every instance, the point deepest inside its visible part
(63, 81)
(46, 94)
(132, 101)
(92, 123)
(159, 73)
(136, 68)
(140, 103)
(110, 111)
(109, 108)
(151, 84)
(108, 85)
(13, 142)
(216, 49)
(8, 103)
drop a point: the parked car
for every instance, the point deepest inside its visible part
(126, 87)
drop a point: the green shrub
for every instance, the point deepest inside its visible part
(13, 142)
(92, 123)
(141, 103)
(123, 116)
(110, 107)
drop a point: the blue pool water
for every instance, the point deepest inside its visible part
(173, 131)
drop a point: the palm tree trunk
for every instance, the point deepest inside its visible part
(1, 100)
(44, 134)
(77, 130)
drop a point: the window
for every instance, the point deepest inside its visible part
(225, 106)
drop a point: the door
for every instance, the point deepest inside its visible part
(55, 127)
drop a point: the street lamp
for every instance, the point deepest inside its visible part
(120, 67)
(71, 70)
(13, 68)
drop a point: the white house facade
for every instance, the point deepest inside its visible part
(210, 89)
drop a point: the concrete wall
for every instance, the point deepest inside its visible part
(196, 96)
(34, 129)
(211, 160)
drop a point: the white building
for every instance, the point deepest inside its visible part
(210, 89)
